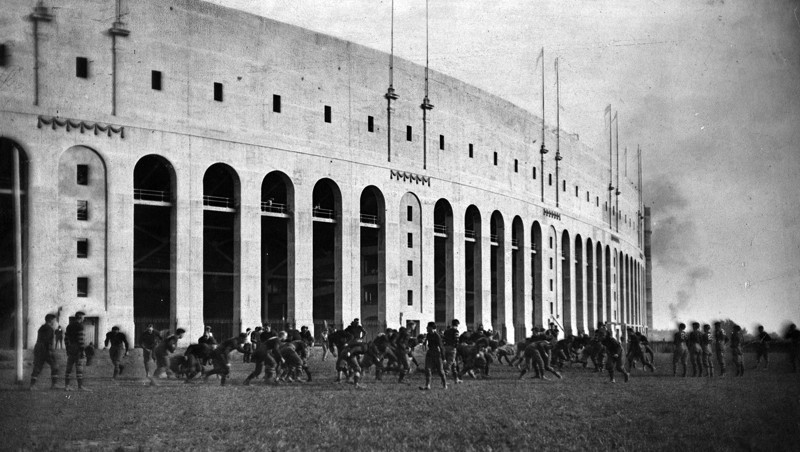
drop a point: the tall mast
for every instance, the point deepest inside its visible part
(390, 94)
(610, 165)
(542, 150)
(426, 103)
(558, 131)
(617, 192)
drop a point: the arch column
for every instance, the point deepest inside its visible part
(301, 308)
(457, 309)
(249, 262)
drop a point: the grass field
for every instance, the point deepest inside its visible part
(760, 411)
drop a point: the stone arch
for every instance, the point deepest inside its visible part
(372, 224)
(443, 308)
(518, 278)
(566, 283)
(277, 205)
(537, 313)
(472, 266)
(497, 268)
(327, 263)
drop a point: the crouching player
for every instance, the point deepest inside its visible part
(267, 356)
(220, 357)
(162, 352)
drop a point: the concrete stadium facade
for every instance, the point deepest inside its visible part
(185, 164)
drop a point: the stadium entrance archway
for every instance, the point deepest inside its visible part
(472, 266)
(566, 283)
(537, 312)
(372, 224)
(518, 278)
(13, 172)
(153, 244)
(443, 262)
(498, 276)
(277, 254)
(327, 267)
(579, 288)
(221, 250)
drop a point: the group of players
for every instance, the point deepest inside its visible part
(282, 356)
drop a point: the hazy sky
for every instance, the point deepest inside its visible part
(709, 89)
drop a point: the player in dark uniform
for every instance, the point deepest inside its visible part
(162, 351)
(615, 356)
(793, 336)
(148, 341)
(117, 339)
(44, 350)
(636, 351)
(433, 357)
(306, 336)
(737, 342)
(356, 330)
(706, 345)
(450, 342)
(695, 350)
(681, 350)
(220, 357)
(720, 341)
(193, 359)
(76, 351)
(762, 347)
(267, 356)
(401, 344)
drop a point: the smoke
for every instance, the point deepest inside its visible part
(673, 241)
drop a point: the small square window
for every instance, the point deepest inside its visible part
(550, 179)
(82, 67)
(576, 191)
(495, 159)
(534, 172)
(516, 166)
(597, 201)
(155, 80)
(551, 243)
(83, 248)
(83, 210)
(563, 185)
(551, 263)
(408, 133)
(83, 175)
(587, 196)
(410, 213)
(218, 92)
(410, 265)
(410, 297)
(410, 240)
(370, 124)
(441, 142)
(551, 289)
(327, 113)
(470, 150)
(276, 103)
(83, 286)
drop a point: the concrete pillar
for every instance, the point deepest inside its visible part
(249, 263)
(458, 304)
(303, 249)
(484, 314)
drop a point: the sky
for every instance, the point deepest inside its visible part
(710, 90)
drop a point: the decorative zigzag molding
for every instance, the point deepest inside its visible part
(70, 124)
(410, 177)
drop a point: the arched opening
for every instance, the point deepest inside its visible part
(442, 261)
(553, 260)
(608, 279)
(518, 278)
(472, 265)
(498, 277)
(153, 244)
(599, 277)
(590, 320)
(566, 282)
(221, 250)
(327, 268)
(537, 314)
(372, 222)
(411, 281)
(277, 249)
(579, 292)
(13, 235)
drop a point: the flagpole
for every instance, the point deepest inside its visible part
(558, 131)
(542, 150)
(426, 104)
(390, 94)
(19, 321)
(617, 192)
(610, 165)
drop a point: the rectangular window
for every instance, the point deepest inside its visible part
(328, 114)
(516, 166)
(576, 191)
(3, 55)
(470, 150)
(550, 179)
(82, 67)
(563, 185)
(410, 297)
(410, 265)
(410, 240)
(83, 210)
(441, 142)
(551, 289)
(408, 133)
(495, 159)
(597, 201)
(218, 92)
(83, 248)
(83, 175)
(534, 172)
(155, 80)
(276, 103)
(587, 196)
(370, 124)
(551, 243)
(410, 213)
(551, 263)
(83, 286)
(551, 307)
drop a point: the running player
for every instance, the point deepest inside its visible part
(615, 355)
(44, 351)
(220, 357)
(433, 358)
(76, 351)
(148, 341)
(117, 339)
(450, 341)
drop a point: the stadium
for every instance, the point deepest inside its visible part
(184, 164)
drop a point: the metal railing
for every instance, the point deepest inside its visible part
(368, 219)
(514, 242)
(469, 233)
(439, 229)
(273, 207)
(320, 212)
(143, 194)
(218, 201)
(493, 238)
